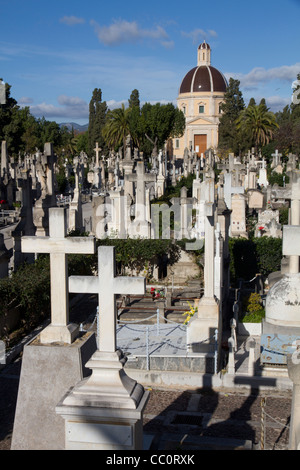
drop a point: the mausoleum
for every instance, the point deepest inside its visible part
(200, 96)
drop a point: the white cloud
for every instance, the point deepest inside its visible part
(72, 101)
(70, 107)
(277, 103)
(112, 104)
(199, 34)
(260, 75)
(122, 31)
(72, 20)
(25, 100)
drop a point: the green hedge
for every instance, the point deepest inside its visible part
(258, 255)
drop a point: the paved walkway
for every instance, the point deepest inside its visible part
(188, 418)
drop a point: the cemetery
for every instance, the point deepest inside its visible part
(156, 270)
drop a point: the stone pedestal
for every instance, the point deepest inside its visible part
(105, 411)
(202, 327)
(59, 333)
(48, 371)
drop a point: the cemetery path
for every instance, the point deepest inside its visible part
(196, 418)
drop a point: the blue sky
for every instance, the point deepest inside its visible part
(54, 54)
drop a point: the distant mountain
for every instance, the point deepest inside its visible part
(76, 127)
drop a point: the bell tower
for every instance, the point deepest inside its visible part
(204, 54)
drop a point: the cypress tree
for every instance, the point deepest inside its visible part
(229, 136)
(97, 115)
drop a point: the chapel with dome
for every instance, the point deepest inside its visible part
(200, 96)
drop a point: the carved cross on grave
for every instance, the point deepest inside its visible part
(141, 178)
(107, 285)
(276, 158)
(97, 150)
(58, 246)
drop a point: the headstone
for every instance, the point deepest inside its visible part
(281, 326)
(47, 199)
(49, 370)
(58, 246)
(201, 328)
(141, 226)
(230, 190)
(238, 216)
(105, 412)
(75, 208)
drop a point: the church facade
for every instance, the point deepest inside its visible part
(200, 96)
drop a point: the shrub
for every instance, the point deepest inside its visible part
(252, 309)
(258, 255)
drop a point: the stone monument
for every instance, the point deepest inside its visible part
(105, 411)
(202, 327)
(50, 364)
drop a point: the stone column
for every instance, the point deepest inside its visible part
(201, 328)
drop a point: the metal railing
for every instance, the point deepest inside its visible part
(156, 335)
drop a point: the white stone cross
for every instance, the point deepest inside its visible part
(276, 157)
(107, 285)
(141, 178)
(97, 150)
(291, 240)
(58, 246)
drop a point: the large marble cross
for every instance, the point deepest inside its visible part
(107, 285)
(141, 178)
(58, 246)
(291, 245)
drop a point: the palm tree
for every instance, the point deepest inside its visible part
(258, 123)
(116, 128)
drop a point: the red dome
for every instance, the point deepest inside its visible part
(204, 78)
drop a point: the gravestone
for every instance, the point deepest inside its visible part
(50, 365)
(58, 246)
(238, 216)
(140, 227)
(46, 176)
(230, 190)
(202, 327)
(105, 411)
(75, 208)
(281, 326)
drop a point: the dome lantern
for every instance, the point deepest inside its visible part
(204, 54)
